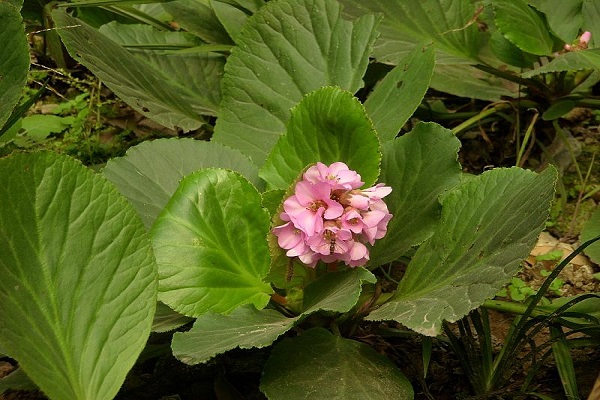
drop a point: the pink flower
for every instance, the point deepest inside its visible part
(585, 38)
(329, 219)
(338, 175)
(581, 44)
(309, 205)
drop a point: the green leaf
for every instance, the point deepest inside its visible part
(591, 18)
(247, 327)
(398, 95)
(558, 109)
(14, 63)
(39, 126)
(287, 49)
(320, 365)
(231, 17)
(150, 172)
(197, 74)
(143, 86)
(406, 23)
(271, 200)
(198, 18)
(509, 53)
(165, 319)
(590, 230)
(78, 287)
(488, 225)
(212, 334)
(419, 166)
(522, 26)
(16, 380)
(336, 291)
(18, 4)
(467, 81)
(329, 125)
(571, 61)
(564, 17)
(210, 245)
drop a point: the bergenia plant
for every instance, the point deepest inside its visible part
(280, 217)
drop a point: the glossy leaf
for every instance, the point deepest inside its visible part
(324, 366)
(400, 92)
(336, 291)
(509, 53)
(406, 23)
(488, 225)
(565, 18)
(78, 287)
(210, 245)
(231, 17)
(144, 87)
(419, 166)
(150, 172)
(14, 62)
(287, 49)
(522, 26)
(329, 125)
(212, 334)
(197, 74)
(198, 18)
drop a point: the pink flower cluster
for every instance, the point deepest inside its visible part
(329, 218)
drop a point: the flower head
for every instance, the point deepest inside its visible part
(328, 218)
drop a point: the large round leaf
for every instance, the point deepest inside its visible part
(488, 225)
(14, 62)
(319, 365)
(210, 245)
(150, 172)
(288, 49)
(78, 287)
(329, 125)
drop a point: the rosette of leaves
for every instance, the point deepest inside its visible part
(211, 237)
(210, 215)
